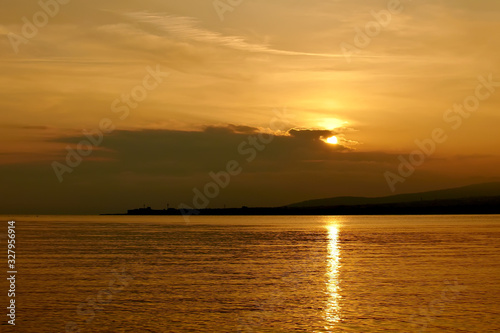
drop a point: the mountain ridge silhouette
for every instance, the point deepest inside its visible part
(470, 191)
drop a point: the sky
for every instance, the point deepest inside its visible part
(110, 105)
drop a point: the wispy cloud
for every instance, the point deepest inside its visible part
(188, 28)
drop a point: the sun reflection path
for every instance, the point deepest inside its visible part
(332, 312)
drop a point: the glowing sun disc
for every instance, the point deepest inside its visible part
(332, 140)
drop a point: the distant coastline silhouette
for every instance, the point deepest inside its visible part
(473, 199)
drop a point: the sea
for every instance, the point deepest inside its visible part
(253, 274)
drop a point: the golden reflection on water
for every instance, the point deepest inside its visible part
(333, 310)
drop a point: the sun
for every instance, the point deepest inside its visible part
(332, 140)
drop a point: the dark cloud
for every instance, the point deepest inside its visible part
(242, 129)
(311, 134)
(186, 152)
(159, 166)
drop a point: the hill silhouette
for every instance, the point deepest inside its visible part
(472, 199)
(470, 191)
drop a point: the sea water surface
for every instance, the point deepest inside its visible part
(255, 274)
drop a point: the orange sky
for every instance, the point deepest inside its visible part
(84, 59)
